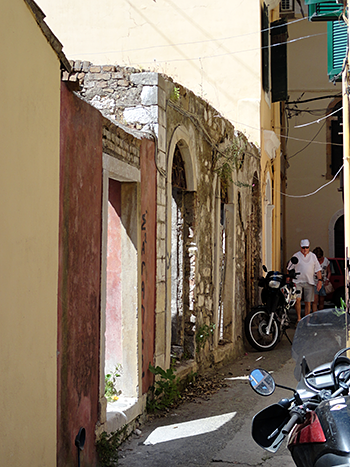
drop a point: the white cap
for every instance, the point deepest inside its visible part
(305, 242)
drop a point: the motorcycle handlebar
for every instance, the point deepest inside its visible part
(288, 427)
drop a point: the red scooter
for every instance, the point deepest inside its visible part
(316, 418)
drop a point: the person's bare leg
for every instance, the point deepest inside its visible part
(321, 305)
(315, 303)
(307, 308)
(298, 309)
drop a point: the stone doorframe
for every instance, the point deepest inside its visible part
(183, 141)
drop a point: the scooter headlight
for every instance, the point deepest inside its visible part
(274, 284)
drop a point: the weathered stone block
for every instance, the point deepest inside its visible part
(200, 300)
(95, 69)
(160, 275)
(102, 76)
(85, 67)
(149, 95)
(141, 114)
(161, 138)
(160, 337)
(123, 82)
(206, 272)
(78, 65)
(108, 68)
(117, 75)
(150, 79)
(161, 98)
(161, 197)
(160, 296)
(101, 84)
(161, 230)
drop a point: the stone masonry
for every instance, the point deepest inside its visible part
(156, 106)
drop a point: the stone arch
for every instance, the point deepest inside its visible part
(181, 241)
(185, 143)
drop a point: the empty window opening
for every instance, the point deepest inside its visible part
(183, 262)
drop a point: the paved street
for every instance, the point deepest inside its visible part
(216, 432)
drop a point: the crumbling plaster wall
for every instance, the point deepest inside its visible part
(153, 103)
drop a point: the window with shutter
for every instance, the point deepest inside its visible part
(325, 11)
(337, 32)
(279, 37)
(265, 48)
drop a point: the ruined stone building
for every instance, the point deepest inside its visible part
(207, 229)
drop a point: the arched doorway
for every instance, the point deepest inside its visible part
(339, 245)
(336, 245)
(181, 246)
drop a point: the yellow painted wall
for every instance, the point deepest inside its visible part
(29, 182)
(271, 166)
(309, 216)
(213, 49)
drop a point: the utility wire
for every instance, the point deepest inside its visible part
(308, 144)
(319, 119)
(318, 189)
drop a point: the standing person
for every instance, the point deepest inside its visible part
(318, 302)
(307, 266)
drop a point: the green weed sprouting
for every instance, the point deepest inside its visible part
(165, 390)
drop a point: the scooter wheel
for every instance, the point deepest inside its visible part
(256, 324)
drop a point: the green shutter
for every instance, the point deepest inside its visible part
(312, 2)
(279, 91)
(337, 32)
(327, 11)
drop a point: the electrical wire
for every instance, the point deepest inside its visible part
(318, 189)
(319, 119)
(308, 144)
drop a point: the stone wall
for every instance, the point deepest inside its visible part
(174, 116)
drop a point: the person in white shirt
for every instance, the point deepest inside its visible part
(307, 266)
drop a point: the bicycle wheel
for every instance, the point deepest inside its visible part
(256, 324)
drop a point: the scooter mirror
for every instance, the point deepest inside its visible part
(262, 382)
(294, 260)
(264, 268)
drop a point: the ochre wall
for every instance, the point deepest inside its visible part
(29, 193)
(79, 277)
(309, 216)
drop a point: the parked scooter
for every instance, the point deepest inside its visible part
(266, 323)
(317, 417)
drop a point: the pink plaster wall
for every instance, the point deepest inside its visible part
(80, 223)
(113, 343)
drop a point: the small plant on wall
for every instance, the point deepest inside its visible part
(230, 159)
(203, 334)
(111, 392)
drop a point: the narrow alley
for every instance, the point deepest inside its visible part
(215, 430)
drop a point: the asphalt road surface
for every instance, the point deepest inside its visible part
(216, 432)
